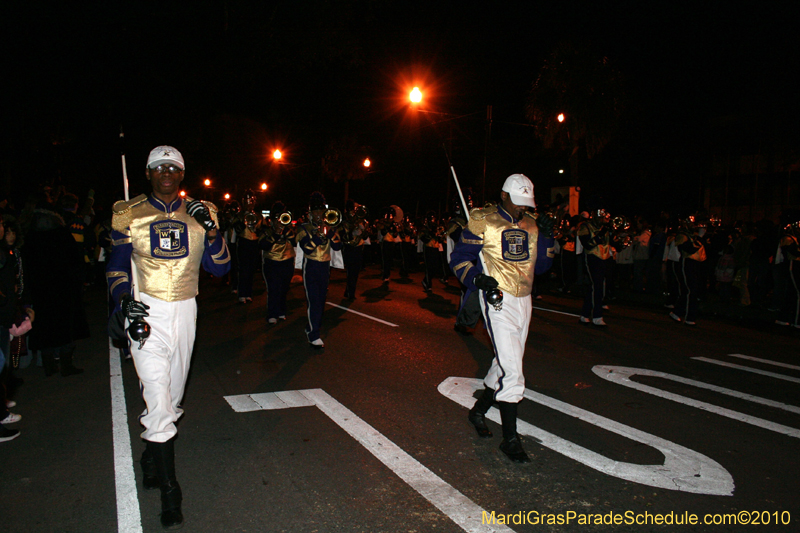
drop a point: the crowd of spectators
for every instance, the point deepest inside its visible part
(744, 264)
(48, 252)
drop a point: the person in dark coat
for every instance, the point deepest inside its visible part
(54, 270)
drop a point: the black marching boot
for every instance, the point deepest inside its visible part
(511, 445)
(49, 363)
(149, 471)
(171, 497)
(477, 413)
(67, 368)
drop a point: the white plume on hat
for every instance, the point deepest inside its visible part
(520, 188)
(165, 154)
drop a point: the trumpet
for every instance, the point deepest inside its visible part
(285, 218)
(332, 217)
(251, 220)
(360, 212)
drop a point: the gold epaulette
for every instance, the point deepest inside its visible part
(477, 219)
(530, 215)
(121, 217)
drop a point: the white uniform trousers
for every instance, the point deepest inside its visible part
(163, 364)
(508, 330)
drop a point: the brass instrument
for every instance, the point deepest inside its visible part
(285, 218)
(251, 220)
(332, 217)
(360, 212)
(621, 226)
(620, 223)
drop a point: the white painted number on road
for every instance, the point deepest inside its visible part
(622, 376)
(683, 469)
(451, 502)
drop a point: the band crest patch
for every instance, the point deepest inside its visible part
(169, 239)
(515, 245)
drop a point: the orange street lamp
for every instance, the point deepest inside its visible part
(207, 182)
(182, 194)
(227, 196)
(560, 117)
(415, 95)
(367, 163)
(277, 154)
(263, 187)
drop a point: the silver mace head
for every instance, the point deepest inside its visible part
(495, 298)
(139, 331)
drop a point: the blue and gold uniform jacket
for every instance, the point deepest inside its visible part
(509, 248)
(315, 246)
(166, 244)
(348, 229)
(691, 246)
(278, 247)
(789, 248)
(596, 240)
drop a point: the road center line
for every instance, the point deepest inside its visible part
(364, 315)
(748, 369)
(129, 519)
(766, 361)
(460, 509)
(554, 311)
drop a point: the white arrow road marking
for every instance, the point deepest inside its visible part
(364, 315)
(129, 519)
(767, 361)
(683, 469)
(622, 375)
(748, 369)
(451, 502)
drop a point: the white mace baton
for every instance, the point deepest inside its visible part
(493, 296)
(141, 333)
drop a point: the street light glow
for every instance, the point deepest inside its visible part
(264, 185)
(560, 117)
(207, 182)
(415, 95)
(183, 194)
(560, 170)
(227, 196)
(277, 154)
(367, 162)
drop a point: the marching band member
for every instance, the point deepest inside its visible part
(431, 239)
(789, 313)
(278, 242)
(595, 236)
(507, 235)
(168, 240)
(390, 238)
(316, 245)
(693, 252)
(247, 228)
(353, 236)
(408, 246)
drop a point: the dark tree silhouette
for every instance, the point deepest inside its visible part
(584, 86)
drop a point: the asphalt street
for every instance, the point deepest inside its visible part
(376, 439)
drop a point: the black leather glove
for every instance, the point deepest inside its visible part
(133, 309)
(201, 214)
(545, 223)
(484, 282)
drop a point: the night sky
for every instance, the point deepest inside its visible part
(228, 81)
